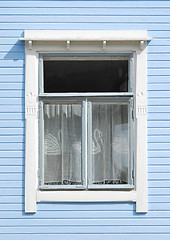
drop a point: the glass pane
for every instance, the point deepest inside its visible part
(86, 76)
(62, 144)
(110, 144)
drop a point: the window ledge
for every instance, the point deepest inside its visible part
(86, 196)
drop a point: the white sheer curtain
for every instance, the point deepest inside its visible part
(110, 140)
(62, 144)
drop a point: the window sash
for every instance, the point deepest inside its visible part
(130, 184)
(86, 56)
(86, 135)
(41, 143)
(84, 98)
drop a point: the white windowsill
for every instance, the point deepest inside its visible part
(86, 196)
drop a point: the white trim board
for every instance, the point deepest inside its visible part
(86, 196)
(83, 35)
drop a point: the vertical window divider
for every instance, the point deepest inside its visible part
(131, 141)
(41, 144)
(85, 139)
(131, 72)
(40, 75)
(89, 143)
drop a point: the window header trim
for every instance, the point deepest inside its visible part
(83, 35)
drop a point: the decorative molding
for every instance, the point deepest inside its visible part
(141, 98)
(141, 109)
(68, 45)
(31, 98)
(142, 44)
(30, 104)
(104, 45)
(30, 45)
(31, 110)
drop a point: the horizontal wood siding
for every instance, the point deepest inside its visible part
(83, 221)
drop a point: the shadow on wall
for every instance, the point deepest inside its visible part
(13, 83)
(14, 73)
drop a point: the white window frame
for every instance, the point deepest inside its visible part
(55, 41)
(86, 100)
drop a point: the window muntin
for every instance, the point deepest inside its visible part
(80, 172)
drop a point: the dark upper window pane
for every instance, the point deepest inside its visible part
(86, 76)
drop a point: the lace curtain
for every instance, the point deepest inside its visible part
(110, 143)
(62, 144)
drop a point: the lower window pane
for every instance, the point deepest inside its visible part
(110, 144)
(62, 144)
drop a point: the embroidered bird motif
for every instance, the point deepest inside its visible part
(53, 144)
(97, 142)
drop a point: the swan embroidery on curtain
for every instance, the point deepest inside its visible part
(97, 142)
(53, 144)
(62, 145)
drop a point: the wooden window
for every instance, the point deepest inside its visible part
(104, 123)
(69, 84)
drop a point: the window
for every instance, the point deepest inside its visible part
(86, 141)
(86, 117)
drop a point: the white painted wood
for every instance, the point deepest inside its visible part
(104, 45)
(141, 131)
(86, 94)
(142, 44)
(31, 108)
(82, 46)
(30, 44)
(68, 45)
(87, 196)
(85, 35)
(57, 42)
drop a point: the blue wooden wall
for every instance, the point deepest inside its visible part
(83, 221)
